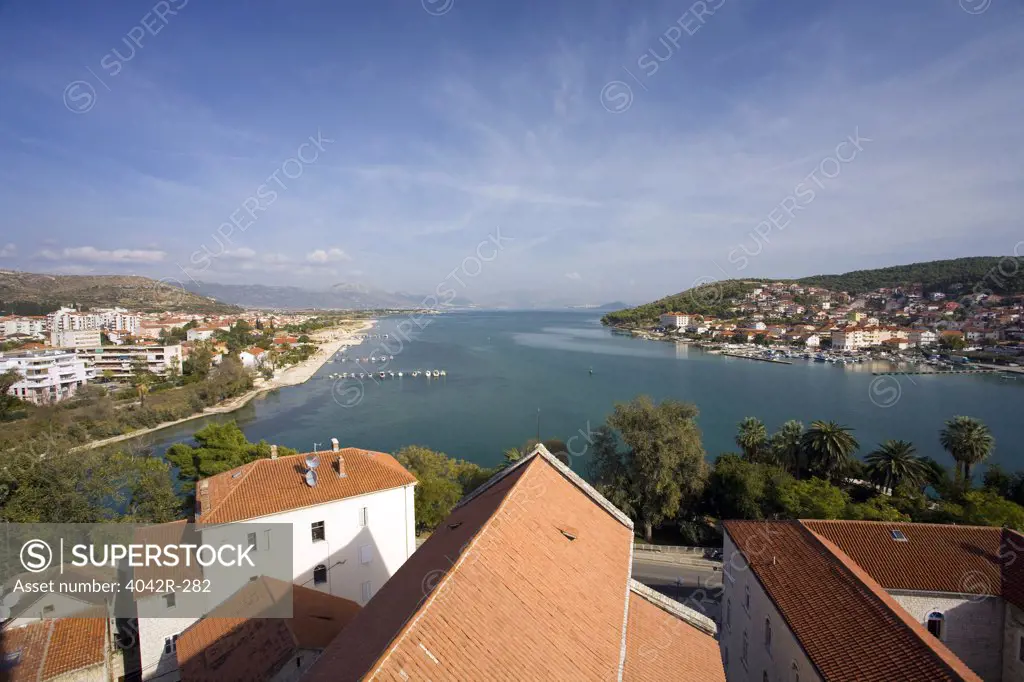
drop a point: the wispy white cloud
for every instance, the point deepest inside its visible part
(324, 256)
(90, 254)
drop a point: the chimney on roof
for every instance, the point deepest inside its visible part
(341, 467)
(334, 444)
(204, 497)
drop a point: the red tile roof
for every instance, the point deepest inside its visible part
(661, 644)
(846, 623)
(500, 591)
(223, 646)
(50, 648)
(968, 555)
(272, 486)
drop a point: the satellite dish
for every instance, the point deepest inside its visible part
(311, 478)
(312, 461)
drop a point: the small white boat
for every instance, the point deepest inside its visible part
(444, 373)
(391, 357)
(437, 373)
(373, 359)
(391, 374)
(399, 375)
(416, 373)
(381, 375)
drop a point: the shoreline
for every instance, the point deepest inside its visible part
(333, 341)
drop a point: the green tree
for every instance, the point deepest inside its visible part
(442, 481)
(786, 447)
(814, 498)
(662, 467)
(219, 447)
(736, 488)
(895, 462)
(752, 438)
(986, 508)
(8, 403)
(969, 442)
(1010, 486)
(829, 447)
(875, 509)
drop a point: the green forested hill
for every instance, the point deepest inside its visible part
(708, 299)
(1002, 275)
(27, 293)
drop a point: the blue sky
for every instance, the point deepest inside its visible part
(621, 150)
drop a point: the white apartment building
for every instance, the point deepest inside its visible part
(112, 319)
(922, 337)
(29, 326)
(76, 338)
(353, 526)
(871, 601)
(680, 320)
(118, 362)
(200, 333)
(46, 376)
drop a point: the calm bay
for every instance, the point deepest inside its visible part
(502, 367)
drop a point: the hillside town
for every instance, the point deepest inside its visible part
(893, 319)
(58, 353)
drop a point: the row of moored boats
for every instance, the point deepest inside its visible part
(428, 373)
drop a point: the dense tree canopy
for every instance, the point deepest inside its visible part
(442, 482)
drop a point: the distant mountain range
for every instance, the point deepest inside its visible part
(28, 293)
(342, 296)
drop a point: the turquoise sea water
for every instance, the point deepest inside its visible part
(504, 366)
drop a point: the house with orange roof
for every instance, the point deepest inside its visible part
(253, 357)
(344, 517)
(58, 649)
(529, 578)
(872, 601)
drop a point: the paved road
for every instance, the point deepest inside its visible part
(696, 587)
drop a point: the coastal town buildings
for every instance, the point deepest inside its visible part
(47, 376)
(866, 600)
(112, 319)
(121, 362)
(528, 579)
(14, 325)
(352, 526)
(678, 320)
(76, 338)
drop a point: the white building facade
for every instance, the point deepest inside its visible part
(119, 362)
(46, 376)
(76, 338)
(349, 534)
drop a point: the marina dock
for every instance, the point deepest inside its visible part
(759, 359)
(938, 372)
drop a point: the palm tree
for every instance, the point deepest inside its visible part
(896, 462)
(143, 390)
(513, 455)
(968, 441)
(786, 447)
(829, 447)
(752, 438)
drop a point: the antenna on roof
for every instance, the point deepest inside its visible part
(311, 478)
(315, 446)
(312, 461)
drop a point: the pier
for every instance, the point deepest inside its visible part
(758, 358)
(937, 372)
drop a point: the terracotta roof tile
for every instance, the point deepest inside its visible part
(223, 647)
(272, 486)
(848, 626)
(968, 555)
(49, 648)
(499, 592)
(661, 645)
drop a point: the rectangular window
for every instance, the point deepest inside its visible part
(171, 644)
(266, 540)
(364, 517)
(48, 609)
(318, 532)
(169, 600)
(251, 539)
(366, 554)
(367, 591)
